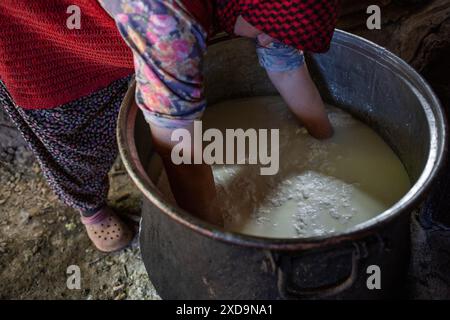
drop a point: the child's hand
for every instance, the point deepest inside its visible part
(245, 29)
(264, 40)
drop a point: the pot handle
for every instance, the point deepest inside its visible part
(289, 291)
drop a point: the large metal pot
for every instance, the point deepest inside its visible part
(187, 258)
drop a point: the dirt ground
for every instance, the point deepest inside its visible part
(40, 238)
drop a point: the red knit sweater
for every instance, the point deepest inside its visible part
(44, 64)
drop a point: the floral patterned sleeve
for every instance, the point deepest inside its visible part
(168, 46)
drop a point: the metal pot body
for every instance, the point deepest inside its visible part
(188, 259)
(186, 265)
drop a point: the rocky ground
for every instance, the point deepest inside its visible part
(40, 238)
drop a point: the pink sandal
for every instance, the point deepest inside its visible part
(107, 231)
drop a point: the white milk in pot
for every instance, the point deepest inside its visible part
(321, 186)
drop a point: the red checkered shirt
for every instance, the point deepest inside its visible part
(307, 25)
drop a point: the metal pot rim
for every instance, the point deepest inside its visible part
(438, 147)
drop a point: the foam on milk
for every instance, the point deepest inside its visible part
(322, 186)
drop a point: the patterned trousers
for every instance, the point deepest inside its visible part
(75, 144)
